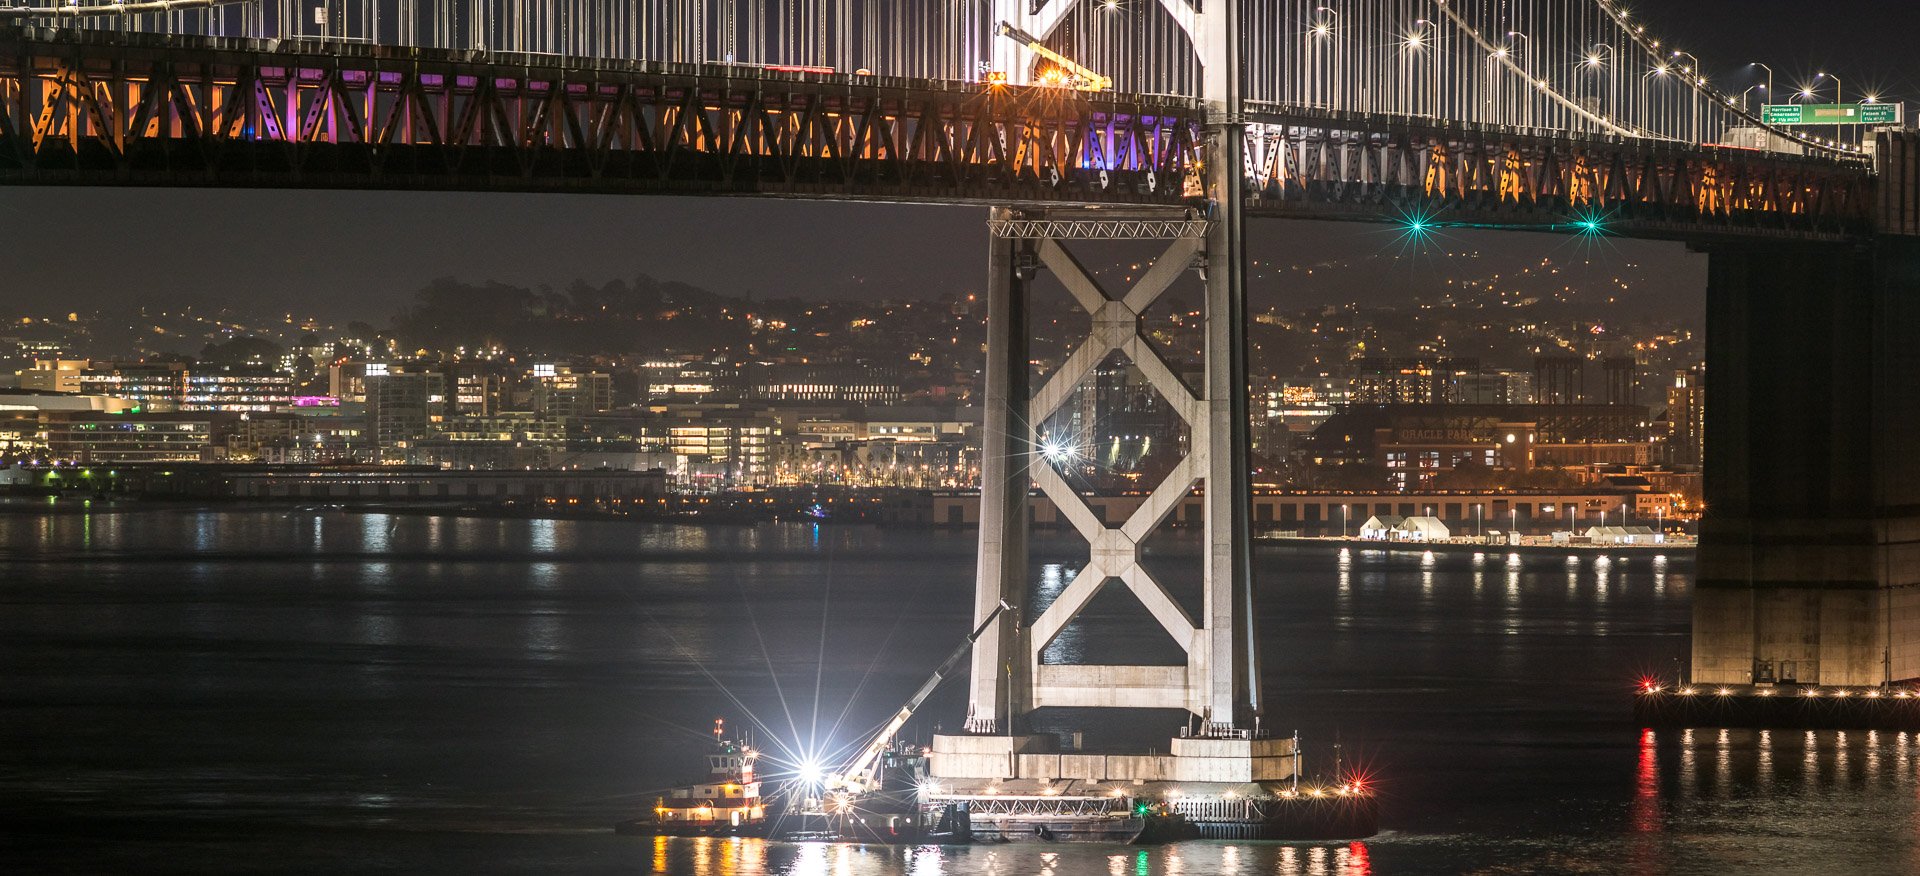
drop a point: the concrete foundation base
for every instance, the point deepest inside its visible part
(1035, 759)
(1809, 562)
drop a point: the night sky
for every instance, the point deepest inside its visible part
(360, 255)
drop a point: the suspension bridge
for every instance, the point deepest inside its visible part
(1571, 116)
(1552, 115)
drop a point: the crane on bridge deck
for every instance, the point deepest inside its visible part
(1078, 76)
(863, 774)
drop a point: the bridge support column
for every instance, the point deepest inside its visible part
(1001, 682)
(1220, 673)
(1810, 547)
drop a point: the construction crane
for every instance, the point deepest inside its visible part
(1077, 77)
(863, 775)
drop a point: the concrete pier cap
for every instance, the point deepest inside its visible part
(978, 760)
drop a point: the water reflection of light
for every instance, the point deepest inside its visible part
(1763, 763)
(1723, 764)
(923, 861)
(1646, 793)
(811, 860)
(540, 535)
(1688, 765)
(542, 638)
(375, 531)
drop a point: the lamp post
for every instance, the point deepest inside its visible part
(1526, 64)
(1415, 42)
(1839, 132)
(1594, 60)
(1322, 31)
(1769, 75)
(1513, 530)
(1699, 79)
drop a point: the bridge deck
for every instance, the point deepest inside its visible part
(101, 108)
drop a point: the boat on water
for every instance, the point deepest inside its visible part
(728, 802)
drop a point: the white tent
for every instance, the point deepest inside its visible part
(1619, 535)
(1380, 527)
(1424, 529)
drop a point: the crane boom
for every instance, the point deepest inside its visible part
(859, 775)
(1083, 79)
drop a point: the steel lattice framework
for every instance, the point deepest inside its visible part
(94, 107)
(102, 108)
(1383, 167)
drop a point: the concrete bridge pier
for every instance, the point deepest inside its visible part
(1810, 545)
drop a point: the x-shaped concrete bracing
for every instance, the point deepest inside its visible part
(1116, 550)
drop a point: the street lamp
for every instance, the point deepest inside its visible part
(1527, 67)
(1595, 61)
(1839, 132)
(1769, 75)
(1836, 85)
(1414, 42)
(1322, 31)
(1323, 27)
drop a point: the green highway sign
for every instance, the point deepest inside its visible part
(1832, 113)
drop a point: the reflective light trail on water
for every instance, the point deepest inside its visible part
(312, 690)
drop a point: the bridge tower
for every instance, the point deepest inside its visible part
(1810, 544)
(1220, 682)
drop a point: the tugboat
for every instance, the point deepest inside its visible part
(727, 803)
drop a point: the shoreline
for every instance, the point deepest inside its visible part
(1681, 549)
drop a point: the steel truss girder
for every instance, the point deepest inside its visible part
(1099, 229)
(1382, 168)
(91, 106)
(103, 108)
